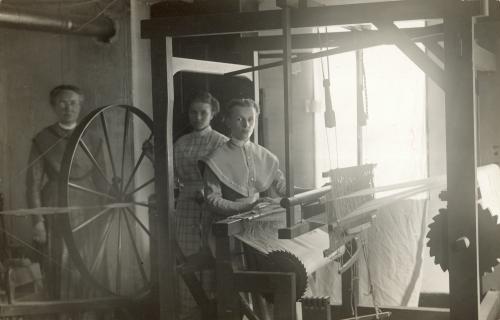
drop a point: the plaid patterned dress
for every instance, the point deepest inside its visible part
(193, 222)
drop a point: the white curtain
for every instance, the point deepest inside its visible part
(395, 135)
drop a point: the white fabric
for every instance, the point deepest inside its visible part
(395, 254)
(262, 235)
(488, 180)
(395, 251)
(67, 127)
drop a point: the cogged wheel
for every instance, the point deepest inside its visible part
(489, 242)
(284, 261)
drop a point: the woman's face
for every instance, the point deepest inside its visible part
(241, 122)
(67, 106)
(200, 115)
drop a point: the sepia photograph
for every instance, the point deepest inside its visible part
(249, 160)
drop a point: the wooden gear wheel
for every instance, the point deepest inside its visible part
(107, 238)
(284, 261)
(489, 240)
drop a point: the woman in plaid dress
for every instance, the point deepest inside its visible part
(193, 223)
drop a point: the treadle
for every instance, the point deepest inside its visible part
(381, 315)
(316, 308)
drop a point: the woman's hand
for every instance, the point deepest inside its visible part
(39, 232)
(264, 202)
(148, 149)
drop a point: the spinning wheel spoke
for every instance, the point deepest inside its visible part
(118, 251)
(138, 258)
(125, 133)
(138, 221)
(129, 180)
(142, 204)
(94, 161)
(94, 192)
(134, 171)
(90, 220)
(145, 184)
(102, 245)
(108, 144)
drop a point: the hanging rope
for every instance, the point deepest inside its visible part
(363, 113)
(330, 121)
(364, 86)
(100, 13)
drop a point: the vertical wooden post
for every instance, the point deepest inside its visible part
(350, 288)
(256, 94)
(4, 245)
(461, 163)
(163, 103)
(285, 297)
(287, 82)
(227, 296)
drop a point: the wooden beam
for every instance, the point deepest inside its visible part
(434, 47)
(406, 45)
(397, 313)
(288, 112)
(309, 40)
(309, 56)
(490, 306)
(281, 284)
(163, 103)
(227, 297)
(207, 67)
(461, 163)
(37, 308)
(287, 3)
(335, 39)
(226, 23)
(382, 315)
(194, 284)
(365, 40)
(258, 281)
(298, 229)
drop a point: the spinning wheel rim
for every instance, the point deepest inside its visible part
(63, 224)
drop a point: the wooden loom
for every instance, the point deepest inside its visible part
(457, 80)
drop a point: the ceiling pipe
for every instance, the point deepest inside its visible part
(103, 28)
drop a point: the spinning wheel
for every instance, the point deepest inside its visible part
(106, 231)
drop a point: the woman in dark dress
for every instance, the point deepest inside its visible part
(45, 159)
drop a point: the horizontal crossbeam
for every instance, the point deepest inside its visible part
(227, 23)
(336, 39)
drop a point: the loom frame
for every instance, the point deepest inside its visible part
(457, 80)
